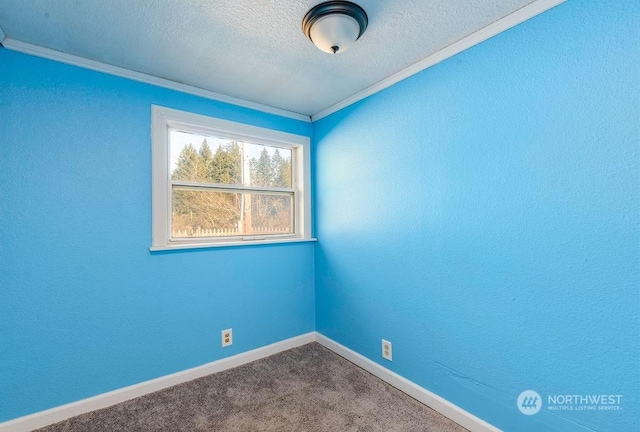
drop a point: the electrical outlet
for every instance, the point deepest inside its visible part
(387, 350)
(227, 337)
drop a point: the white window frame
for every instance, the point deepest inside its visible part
(163, 119)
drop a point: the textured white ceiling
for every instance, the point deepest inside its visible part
(250, 49)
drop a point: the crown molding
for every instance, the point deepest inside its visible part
(521, 15)
(59, 56)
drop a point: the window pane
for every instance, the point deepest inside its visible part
(270, 166)
(209, 159)
(207, 213)
(205, 159)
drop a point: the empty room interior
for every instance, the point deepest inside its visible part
(307, 215)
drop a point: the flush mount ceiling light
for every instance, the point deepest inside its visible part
(334, 26)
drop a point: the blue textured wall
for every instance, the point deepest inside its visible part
(484, 217)
(84, 306)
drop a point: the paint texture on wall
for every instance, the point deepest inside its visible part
(84, 306)
(483, 216)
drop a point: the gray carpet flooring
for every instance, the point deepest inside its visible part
(308, 388)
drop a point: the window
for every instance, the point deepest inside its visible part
(220, 183)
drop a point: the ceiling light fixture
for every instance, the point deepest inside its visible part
(334, 26)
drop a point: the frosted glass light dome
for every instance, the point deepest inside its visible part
(335, 33)
(334, 26)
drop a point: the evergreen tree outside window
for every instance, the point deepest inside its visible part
(218, 183)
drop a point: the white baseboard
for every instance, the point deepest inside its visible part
(63, 412)
(432, 400)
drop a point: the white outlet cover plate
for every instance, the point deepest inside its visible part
(224, 333)
(387, 350)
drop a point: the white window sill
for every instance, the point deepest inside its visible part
(179, 246)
